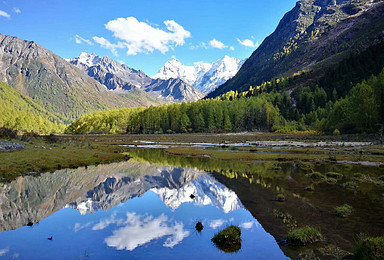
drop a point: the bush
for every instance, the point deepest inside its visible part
(229, 239)
(369, 248)
(303, 236)
(343, 211)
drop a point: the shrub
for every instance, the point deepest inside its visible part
(229, 239)
(303, 236)
(343, 211)
(369, 248)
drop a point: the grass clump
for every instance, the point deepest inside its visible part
(229, 239)
(310, 187)
(334, 175)
(369, 248)
(303, 236)
(331, 180)
(305, 165)
(343, 211)
(280, 197)
(350, 185)
(316, 176)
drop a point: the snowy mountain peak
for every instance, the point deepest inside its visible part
(204, 76)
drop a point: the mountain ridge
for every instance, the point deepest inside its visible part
(313, 35)
(123, 79)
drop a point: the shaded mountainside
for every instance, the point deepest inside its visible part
(51, 82)
(174, 90)
(124, 80)
(314, 35)
(18, 111)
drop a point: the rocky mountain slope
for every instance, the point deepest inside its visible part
(206, 77)
(120, 78)
(54, 84)
(315, 34)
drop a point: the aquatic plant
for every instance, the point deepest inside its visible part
(343, 211)
(303, 236)
(228, 239)
(369, 248)
(350, 185)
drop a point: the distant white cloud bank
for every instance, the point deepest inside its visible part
(5, 14)
(248, 43)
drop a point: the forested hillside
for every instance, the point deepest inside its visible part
(313, 36)
(20, 113)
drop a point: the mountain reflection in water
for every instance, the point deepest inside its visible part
(121, 210)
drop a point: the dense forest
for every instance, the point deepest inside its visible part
(20, 113)
(302, 109)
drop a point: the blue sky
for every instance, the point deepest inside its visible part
(145, 34)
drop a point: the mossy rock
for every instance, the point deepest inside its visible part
(303, 236)
(369, 248)
(343, 211)
(229, 239)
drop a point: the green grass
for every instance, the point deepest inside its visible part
(369, 248)
(280, 197)
(229, 239)
(42, 156)
(334, 175)
(303, 236)
(343, 211)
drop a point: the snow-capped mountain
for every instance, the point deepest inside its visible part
(204, 76)
(119, 77)
(112, 74)
(207, 191)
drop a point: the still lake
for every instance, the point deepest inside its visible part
(125, 211)
(143, 209)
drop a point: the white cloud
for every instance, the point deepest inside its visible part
(139, 230)
(79, 226)
(232, 48)
(16, 10)
(217, 44)
(142, 37)
(5, 14)
(108, 221)
(248, 43)
(80, 40)
(3, 251)
(216, 223)
(202, 45)
(107, 45)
